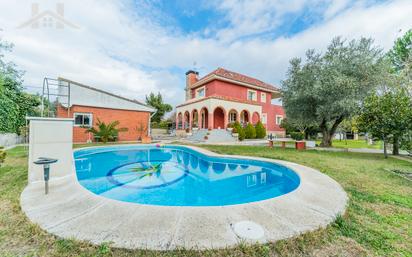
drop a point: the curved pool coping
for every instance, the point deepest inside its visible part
(71, 211)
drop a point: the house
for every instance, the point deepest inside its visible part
(87, 105)
(224, 97)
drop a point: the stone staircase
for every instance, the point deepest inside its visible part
(215, 136)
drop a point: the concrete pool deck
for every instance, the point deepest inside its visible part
(71, 211)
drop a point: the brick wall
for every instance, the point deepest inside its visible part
(128, 119)
(222, 88)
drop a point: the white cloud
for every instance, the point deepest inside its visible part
(114, 46)
(254, 17)
(335, 7)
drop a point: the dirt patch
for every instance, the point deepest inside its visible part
(344, 247)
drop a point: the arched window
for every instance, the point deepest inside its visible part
(232, 116)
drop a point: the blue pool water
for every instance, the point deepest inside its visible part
(179, 176)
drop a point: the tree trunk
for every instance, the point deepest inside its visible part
(329, 134)
(395, 149)
(326, 140)
(385, 152)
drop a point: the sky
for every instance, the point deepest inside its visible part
(132, 48)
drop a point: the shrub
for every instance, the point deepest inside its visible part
(297, 135)
(164, 124)
(231, 125)
(260, 130)
(242, 134)
(206, 137)
(250, 131)
(2, 155)
(238, 128)
(187, 130)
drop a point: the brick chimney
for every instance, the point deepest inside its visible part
(191, 78)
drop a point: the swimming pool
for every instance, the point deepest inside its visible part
(179, 176)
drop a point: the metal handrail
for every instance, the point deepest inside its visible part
(48, 84)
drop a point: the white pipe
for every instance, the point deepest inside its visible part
(149, 131)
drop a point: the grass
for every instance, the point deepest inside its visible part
(354, 144)
(377, 222)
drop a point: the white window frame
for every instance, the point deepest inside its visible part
(264, 118)
(263, 97)
(200, 89)
(254, 95)
(276, 119)
(84, 114)
(230, 114)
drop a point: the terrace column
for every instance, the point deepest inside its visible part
(210, 120)
(177, 121)
(226, 118)
(199, 120)
(190, 120)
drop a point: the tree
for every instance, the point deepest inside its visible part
(401, 52)
(400, 57)
(329, 87)
(106, 132)
(297, 125)
(387, 116)
(406, 143)
(156, 101)
(348, 125)
(15, 105)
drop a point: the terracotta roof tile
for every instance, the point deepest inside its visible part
(195, 100)
(240, 78)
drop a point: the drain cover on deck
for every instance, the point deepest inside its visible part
(248, 230)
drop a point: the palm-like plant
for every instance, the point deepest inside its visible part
(106, 132)
(141, 130)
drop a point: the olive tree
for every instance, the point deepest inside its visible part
(328, 88)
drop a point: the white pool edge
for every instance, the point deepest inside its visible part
(71, 211)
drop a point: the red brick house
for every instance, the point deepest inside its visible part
(87, 105)
(223, 97)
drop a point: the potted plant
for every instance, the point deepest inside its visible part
(235, 132)
(141, 130)
(206, 138)
(299, 136)
(188, 133)
(230, 127)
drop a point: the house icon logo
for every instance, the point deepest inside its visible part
(47, 19)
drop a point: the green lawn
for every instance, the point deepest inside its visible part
(354, 144)
(377, 223)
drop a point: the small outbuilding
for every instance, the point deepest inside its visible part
(87, 105)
